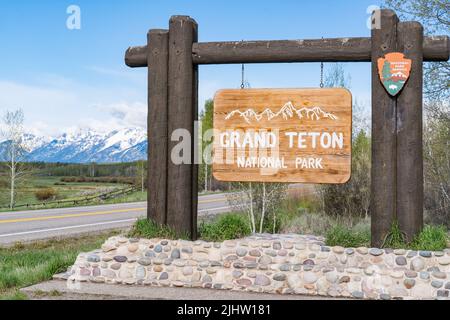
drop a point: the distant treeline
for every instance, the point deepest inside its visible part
(125, 169)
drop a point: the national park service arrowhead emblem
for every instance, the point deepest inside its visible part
(394, 71)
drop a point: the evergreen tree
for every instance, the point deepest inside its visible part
(386, 72)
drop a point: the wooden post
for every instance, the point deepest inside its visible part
(181, 187)
(195, 145)
(157, 60)
(383, 170)
(409, 133)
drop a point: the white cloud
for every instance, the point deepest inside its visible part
(57, 104)
(124, 114)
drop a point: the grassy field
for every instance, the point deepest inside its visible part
(64, 191)
(24, 265)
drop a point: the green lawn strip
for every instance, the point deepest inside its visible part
(26, 264)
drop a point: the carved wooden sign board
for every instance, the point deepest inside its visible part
(282, 135)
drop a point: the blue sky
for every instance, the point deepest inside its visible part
(66, 79)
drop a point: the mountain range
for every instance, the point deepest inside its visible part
(85, 146)
(287, 111)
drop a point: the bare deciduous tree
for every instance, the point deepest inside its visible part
(12, 132)
(260, 201)
(141, 174)
(437, 163)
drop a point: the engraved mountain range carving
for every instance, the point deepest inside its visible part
(286, 112)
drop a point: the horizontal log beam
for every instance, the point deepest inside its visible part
(327, 50)
(136, 57)
(435, 48)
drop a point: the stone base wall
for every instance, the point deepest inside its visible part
(285, 264)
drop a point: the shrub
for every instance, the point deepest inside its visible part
(45, 194)
(225, 227)
(432, 238)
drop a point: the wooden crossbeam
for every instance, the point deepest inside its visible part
(435, 48)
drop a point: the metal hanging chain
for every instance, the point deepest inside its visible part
(321, 74)
(242, 77)
(242, 73)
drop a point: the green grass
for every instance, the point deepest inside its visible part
(344, 236)
(24, 265)
(136, 196)
(13, 294)
(396, 238)
(225, 227)
(144, 228)
(433, 238)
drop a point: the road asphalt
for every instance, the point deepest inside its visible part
(30, 225)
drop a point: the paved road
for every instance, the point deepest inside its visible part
(42, 224)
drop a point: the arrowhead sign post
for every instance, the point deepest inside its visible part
(283, 135)
(394, 71)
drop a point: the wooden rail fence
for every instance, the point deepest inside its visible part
(102, 196)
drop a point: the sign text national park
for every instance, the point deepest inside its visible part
(282, 135)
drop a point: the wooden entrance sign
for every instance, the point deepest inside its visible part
(173, 56)
(283, 135)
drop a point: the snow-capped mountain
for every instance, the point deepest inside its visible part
(86, 146)
(32, 142)
(287, 111)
